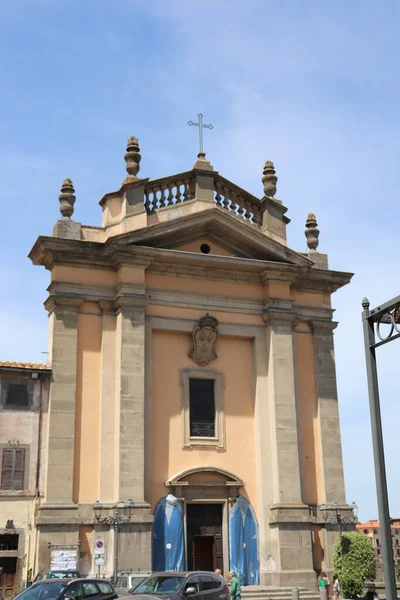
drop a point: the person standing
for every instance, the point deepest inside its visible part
(235, 589)
(335, 587)
(323, 583)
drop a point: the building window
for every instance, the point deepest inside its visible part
(202, 407)
(377, 542)
(366, 531)
(17, 395)
(8, 542)
(375, 531)
(398, 551)
(378, 552)
(13, 469)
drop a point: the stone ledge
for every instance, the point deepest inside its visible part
(290, 513)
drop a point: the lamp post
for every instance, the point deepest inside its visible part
(387, 314)
(122, 514)
(337, 518)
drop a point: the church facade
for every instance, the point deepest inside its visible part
(193, 374)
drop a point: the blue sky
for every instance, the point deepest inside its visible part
(313, 86)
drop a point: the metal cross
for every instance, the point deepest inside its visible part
(201, 127)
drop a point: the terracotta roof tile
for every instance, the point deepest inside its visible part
(25, 365)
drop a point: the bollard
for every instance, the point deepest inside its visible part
(295, 593)
(324, 593)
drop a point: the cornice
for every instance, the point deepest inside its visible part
(321, 280)
(217, 219)
(49, 251)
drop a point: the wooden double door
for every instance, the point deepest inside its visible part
(8, 568)
(204, 537)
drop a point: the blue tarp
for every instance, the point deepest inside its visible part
(168, 541)
(243, 542)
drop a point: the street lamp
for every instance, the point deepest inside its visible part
(387, 314)
(337, 518)
(122, 514)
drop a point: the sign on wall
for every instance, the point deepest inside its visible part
(63, 560)
(99, 545)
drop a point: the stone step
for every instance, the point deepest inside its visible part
(276, 593)
(278, 596)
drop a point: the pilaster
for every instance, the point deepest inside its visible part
(285, 522)
(61, 417)
(279, 322)
(109, 415)
(328, 412)
(131, 329)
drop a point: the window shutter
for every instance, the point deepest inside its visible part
(19, 469)
(13, 469)
(7, 470)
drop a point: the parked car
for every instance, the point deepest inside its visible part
(127, 582)
(69, 589)
(68, 574)
(181, 586)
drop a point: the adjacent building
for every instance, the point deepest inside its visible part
(371, 529)
(24, 393)
(193, 372)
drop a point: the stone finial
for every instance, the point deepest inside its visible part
(132, 159)
(312, 232)
(365, 303)
(67, 199)
(269, 179)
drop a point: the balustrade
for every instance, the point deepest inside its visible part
(236, 203)
(171, 191)
(161, 193)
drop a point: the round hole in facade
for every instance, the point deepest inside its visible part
(205, 248)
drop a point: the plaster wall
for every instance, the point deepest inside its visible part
(170, 354)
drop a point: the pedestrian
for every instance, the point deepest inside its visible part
(218, 572)
(323, 582)
(235, 589)
(335, 587)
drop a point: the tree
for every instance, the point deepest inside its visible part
(354, 563)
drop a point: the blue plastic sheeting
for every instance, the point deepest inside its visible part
(168, 541)
(244, 553)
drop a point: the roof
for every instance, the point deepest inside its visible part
(24, 365)
(374, 524)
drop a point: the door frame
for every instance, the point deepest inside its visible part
(225, 525)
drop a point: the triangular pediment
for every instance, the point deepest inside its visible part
(226, 235)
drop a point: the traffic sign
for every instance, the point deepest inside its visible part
(99, 545)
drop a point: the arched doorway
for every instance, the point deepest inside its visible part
(208, 496)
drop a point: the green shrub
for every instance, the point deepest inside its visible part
(354, 563)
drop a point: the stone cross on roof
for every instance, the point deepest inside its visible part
(201, 127)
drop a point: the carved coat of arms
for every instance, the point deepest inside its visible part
(204, 340)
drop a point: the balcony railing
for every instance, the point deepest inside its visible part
(176, 189)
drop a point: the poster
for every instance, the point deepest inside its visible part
(62, 560)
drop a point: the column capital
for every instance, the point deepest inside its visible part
(278, 311)
(130, 298)
(62, 304)
(322, 325)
